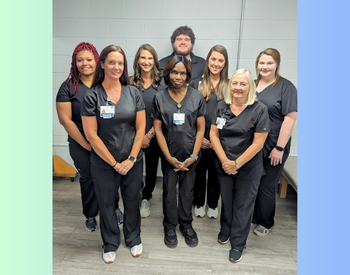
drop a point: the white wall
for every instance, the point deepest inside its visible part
(130, 23)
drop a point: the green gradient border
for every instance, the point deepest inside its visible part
(26, 137)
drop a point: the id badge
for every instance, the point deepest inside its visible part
(107, 111)
(220, 122)
(179, 118)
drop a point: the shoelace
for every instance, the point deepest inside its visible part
(171, 233)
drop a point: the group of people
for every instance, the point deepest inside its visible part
(186, 112)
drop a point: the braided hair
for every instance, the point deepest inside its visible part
(74, 74)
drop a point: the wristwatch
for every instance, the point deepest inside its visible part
(195, 157)
(237, 165)
(132, 158)
(279, 148)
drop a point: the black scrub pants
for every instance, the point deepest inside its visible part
(107, 182)
(265, 203)
(152, 155)
(182, 213)
(206, 163)
(238, 197)
(81, 158)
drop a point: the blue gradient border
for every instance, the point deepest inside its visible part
(323, 140)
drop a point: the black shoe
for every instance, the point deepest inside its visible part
(91, 224)
(120, 217)
(222, 239)
(235, 255)
(190, 236)
(170, 238)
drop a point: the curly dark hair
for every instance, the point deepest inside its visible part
(183, 30)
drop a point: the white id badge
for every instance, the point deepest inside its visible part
(107, 111)
(220, 122)
(179, 118)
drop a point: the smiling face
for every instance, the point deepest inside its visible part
(146, 61)
(216, 63)
(182, 45)
(85, 62)
(177, 76)
(267, 66)
(240, 87)
(113, 65)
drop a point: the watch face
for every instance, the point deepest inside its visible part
(132, 158)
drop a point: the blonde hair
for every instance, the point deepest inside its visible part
(206, 86)
(252, 89)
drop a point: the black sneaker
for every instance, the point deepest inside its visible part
(91, 224)
(235, 255)
(120, 217)
(222, 239)
(190, 236)
(170, 238)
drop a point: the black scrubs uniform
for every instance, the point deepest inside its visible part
(197, 63)
(118, 134)
(238, 191)
(80, 156)
(153, 152)
(207, 161)
(180, 140)
(280, 101)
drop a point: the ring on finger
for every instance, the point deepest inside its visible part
(124, 170)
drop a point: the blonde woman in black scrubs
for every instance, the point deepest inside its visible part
(238, 134)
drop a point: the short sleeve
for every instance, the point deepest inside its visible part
(89, 106)
(262, 120)
(140, 105)
(202, 108)
(63, 94)
(155, 112)
(289, 99)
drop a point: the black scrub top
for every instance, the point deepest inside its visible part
(280, 101)
(65, 94)
(238, 134)
(118, 132)
(211, 107)
(148, 96)
(179, 138)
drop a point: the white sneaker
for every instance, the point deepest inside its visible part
(144, 210)
(199, 211)
(136, 250)
(108, 257)
(212, 213)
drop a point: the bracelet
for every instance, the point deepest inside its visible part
(150, 132)
(148, 136)
(115, 164)
(226, 159)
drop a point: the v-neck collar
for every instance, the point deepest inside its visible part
(182, 101)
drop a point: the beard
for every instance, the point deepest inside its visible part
(182, 53)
